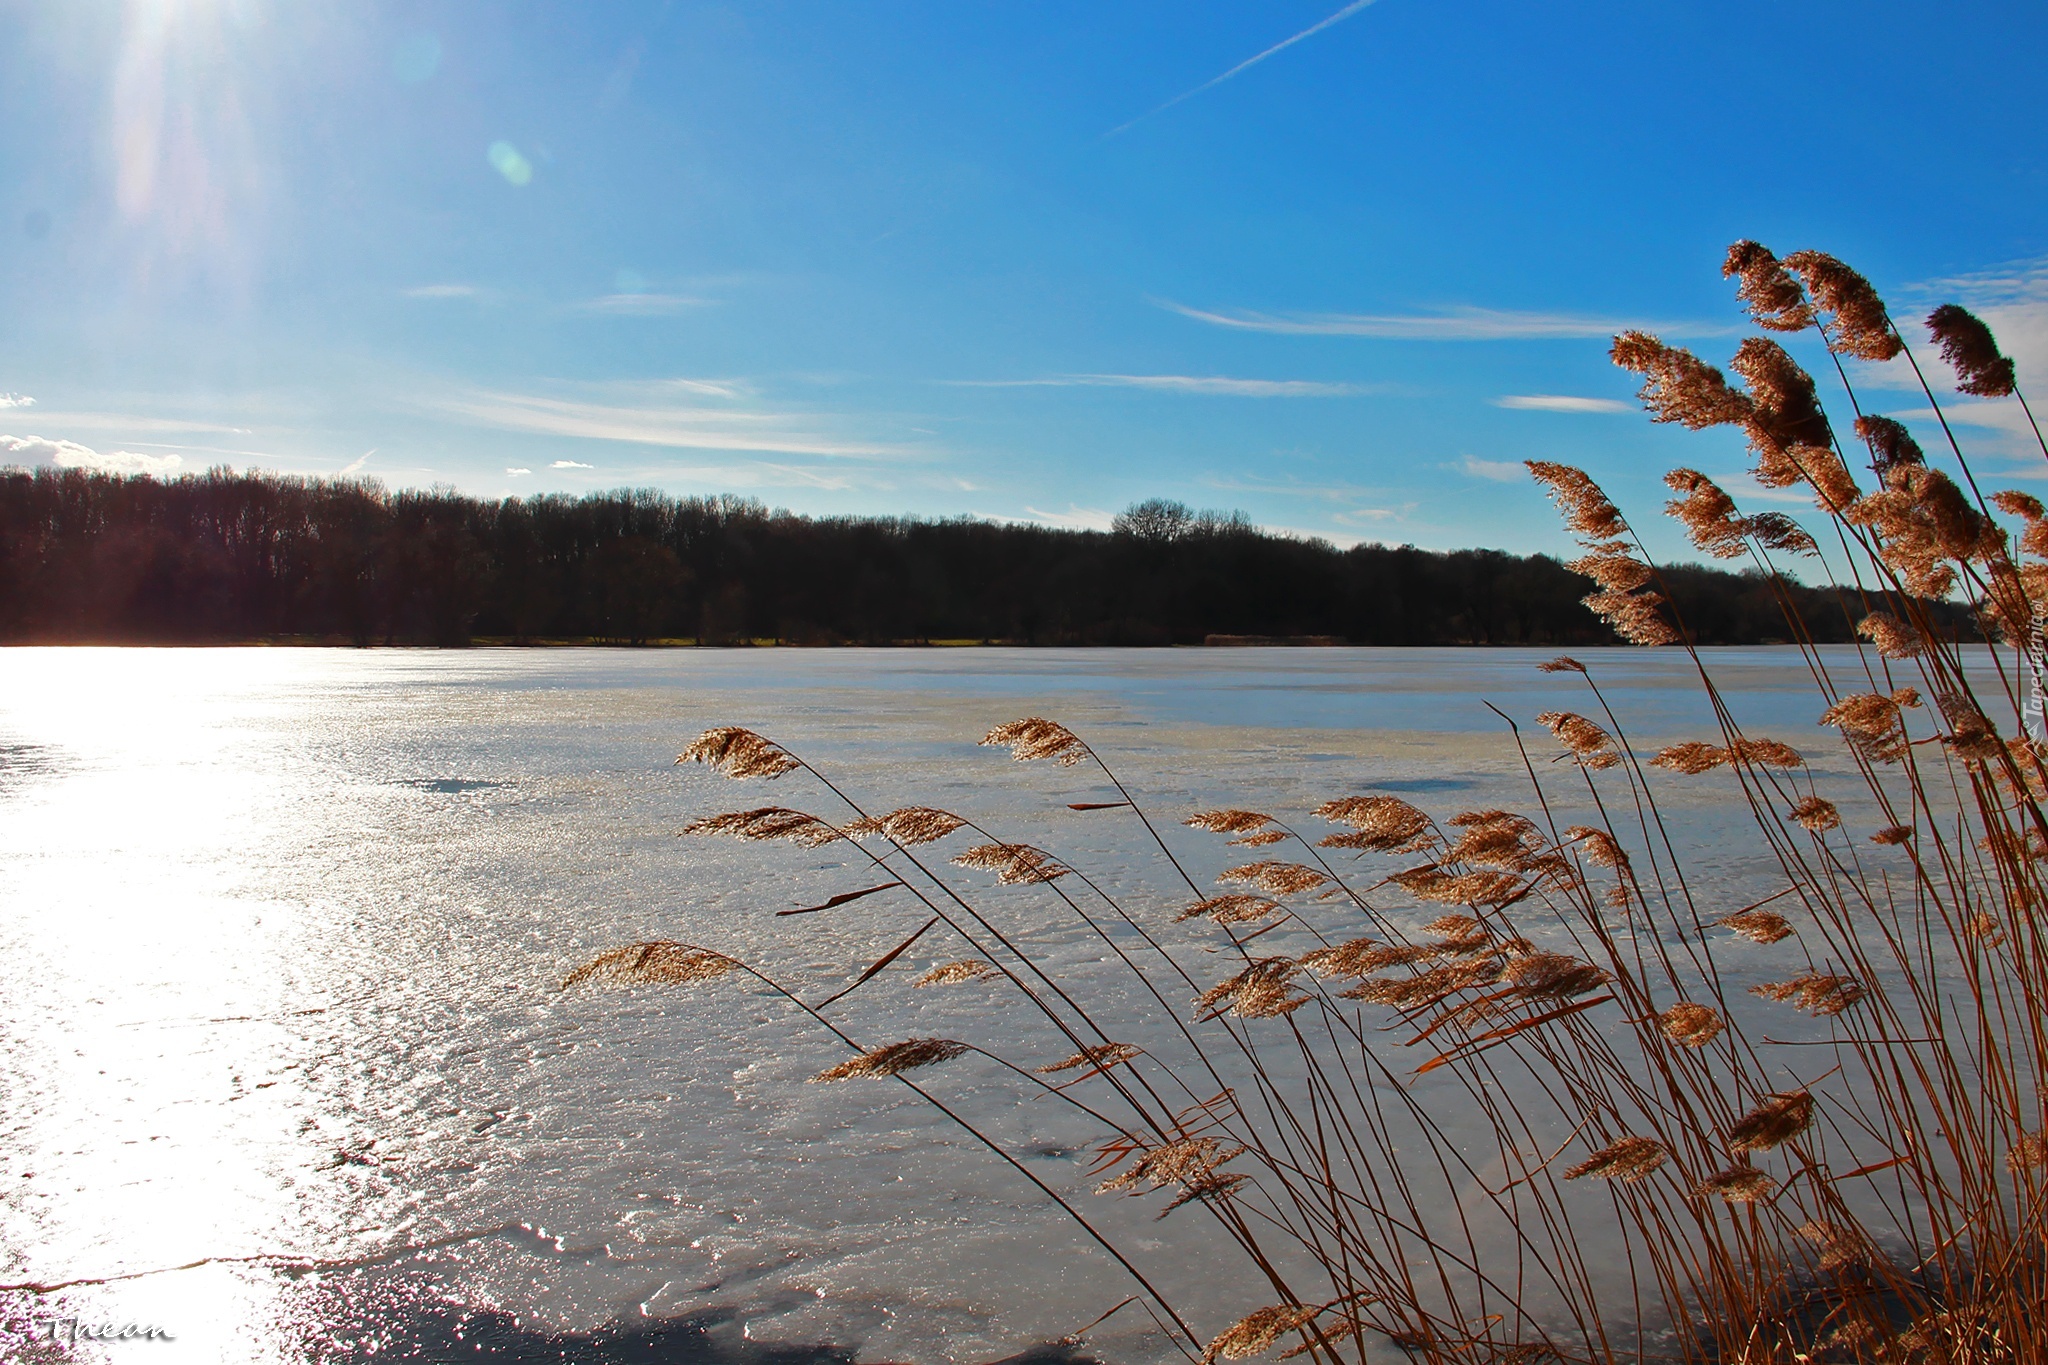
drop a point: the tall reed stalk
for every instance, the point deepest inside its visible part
(1868, 1189)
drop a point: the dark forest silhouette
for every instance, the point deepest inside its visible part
(222, 556)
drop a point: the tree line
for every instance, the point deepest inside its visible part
(221, 556)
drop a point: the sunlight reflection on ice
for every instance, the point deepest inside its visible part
(280, 932)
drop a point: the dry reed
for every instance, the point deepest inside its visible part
(1874, 1188)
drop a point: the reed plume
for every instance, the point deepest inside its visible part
(909, 826)
(1972, 352)
(1400, 1046)
(1629, 1160)
(893, 1059)
(1678, 386)
(653, 964)
(1773, 297)
(1850, 309)
(1035, 737)
(738, 752)
(1690, 1025)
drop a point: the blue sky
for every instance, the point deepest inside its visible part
(1029, 261)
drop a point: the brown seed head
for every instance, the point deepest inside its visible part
(1833, 487)
(1597, 846)
(1100, 1057)
(1758, 926)
(1587, 512)
(1382, 822)
(1563, 663)
(1592, 746)
(1776, 1121)
(1630, 1159)
(1035, 737)
(653, 964)
(908, 826)
(1890, 443)
(1013, 864)
(1893, 834)
(952, 973)
(1260, 991)
(1633, 616)
(1430, 883)
(1769, 753)
(1840, 1247)
(768, 822)
(1893, 638)
(1614, 572)
(1276, 879)
(1255, 1332)
(1985, 928)
(1768, 290)
(1872, 724)
(1818, 993)
(1362, 956)
(1971, 351)
(2028, 1150)
(894, 1058)
(1854, 315)
(738, 752)
(1817, 814)
(2014, 503)
(1691, 758)
(1429, 987)
(1737, 1185)
(1495, 838)
(1677, 385)
(1236, 908)
(1552, 976)
(1707, 513)
(1776, 531)
(1788, 432)
(1228, 821)
(1690, 1025)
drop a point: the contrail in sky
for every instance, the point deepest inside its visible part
(1339, 17)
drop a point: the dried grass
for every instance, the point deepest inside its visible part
(1873, 1188)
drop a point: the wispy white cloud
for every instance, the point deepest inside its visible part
(696, 388)
(1500, 471)
(642, 305)
(2012, 299)
(518, 471)
(129, 422)
(1373, 516)
(1445, 324)
(42, 450)
(1182, 383)
(1339, 17)
(1991, 414)
(570, 464)
(355, 466)
(16, 400)
(442, 291)
(656, 415)
(1745, 489)
(1345, 504)
(1076, 517)
(1291, 488)
(1560, 402)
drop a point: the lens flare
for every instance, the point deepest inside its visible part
(507, 161)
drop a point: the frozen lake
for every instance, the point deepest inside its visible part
(281, 933)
